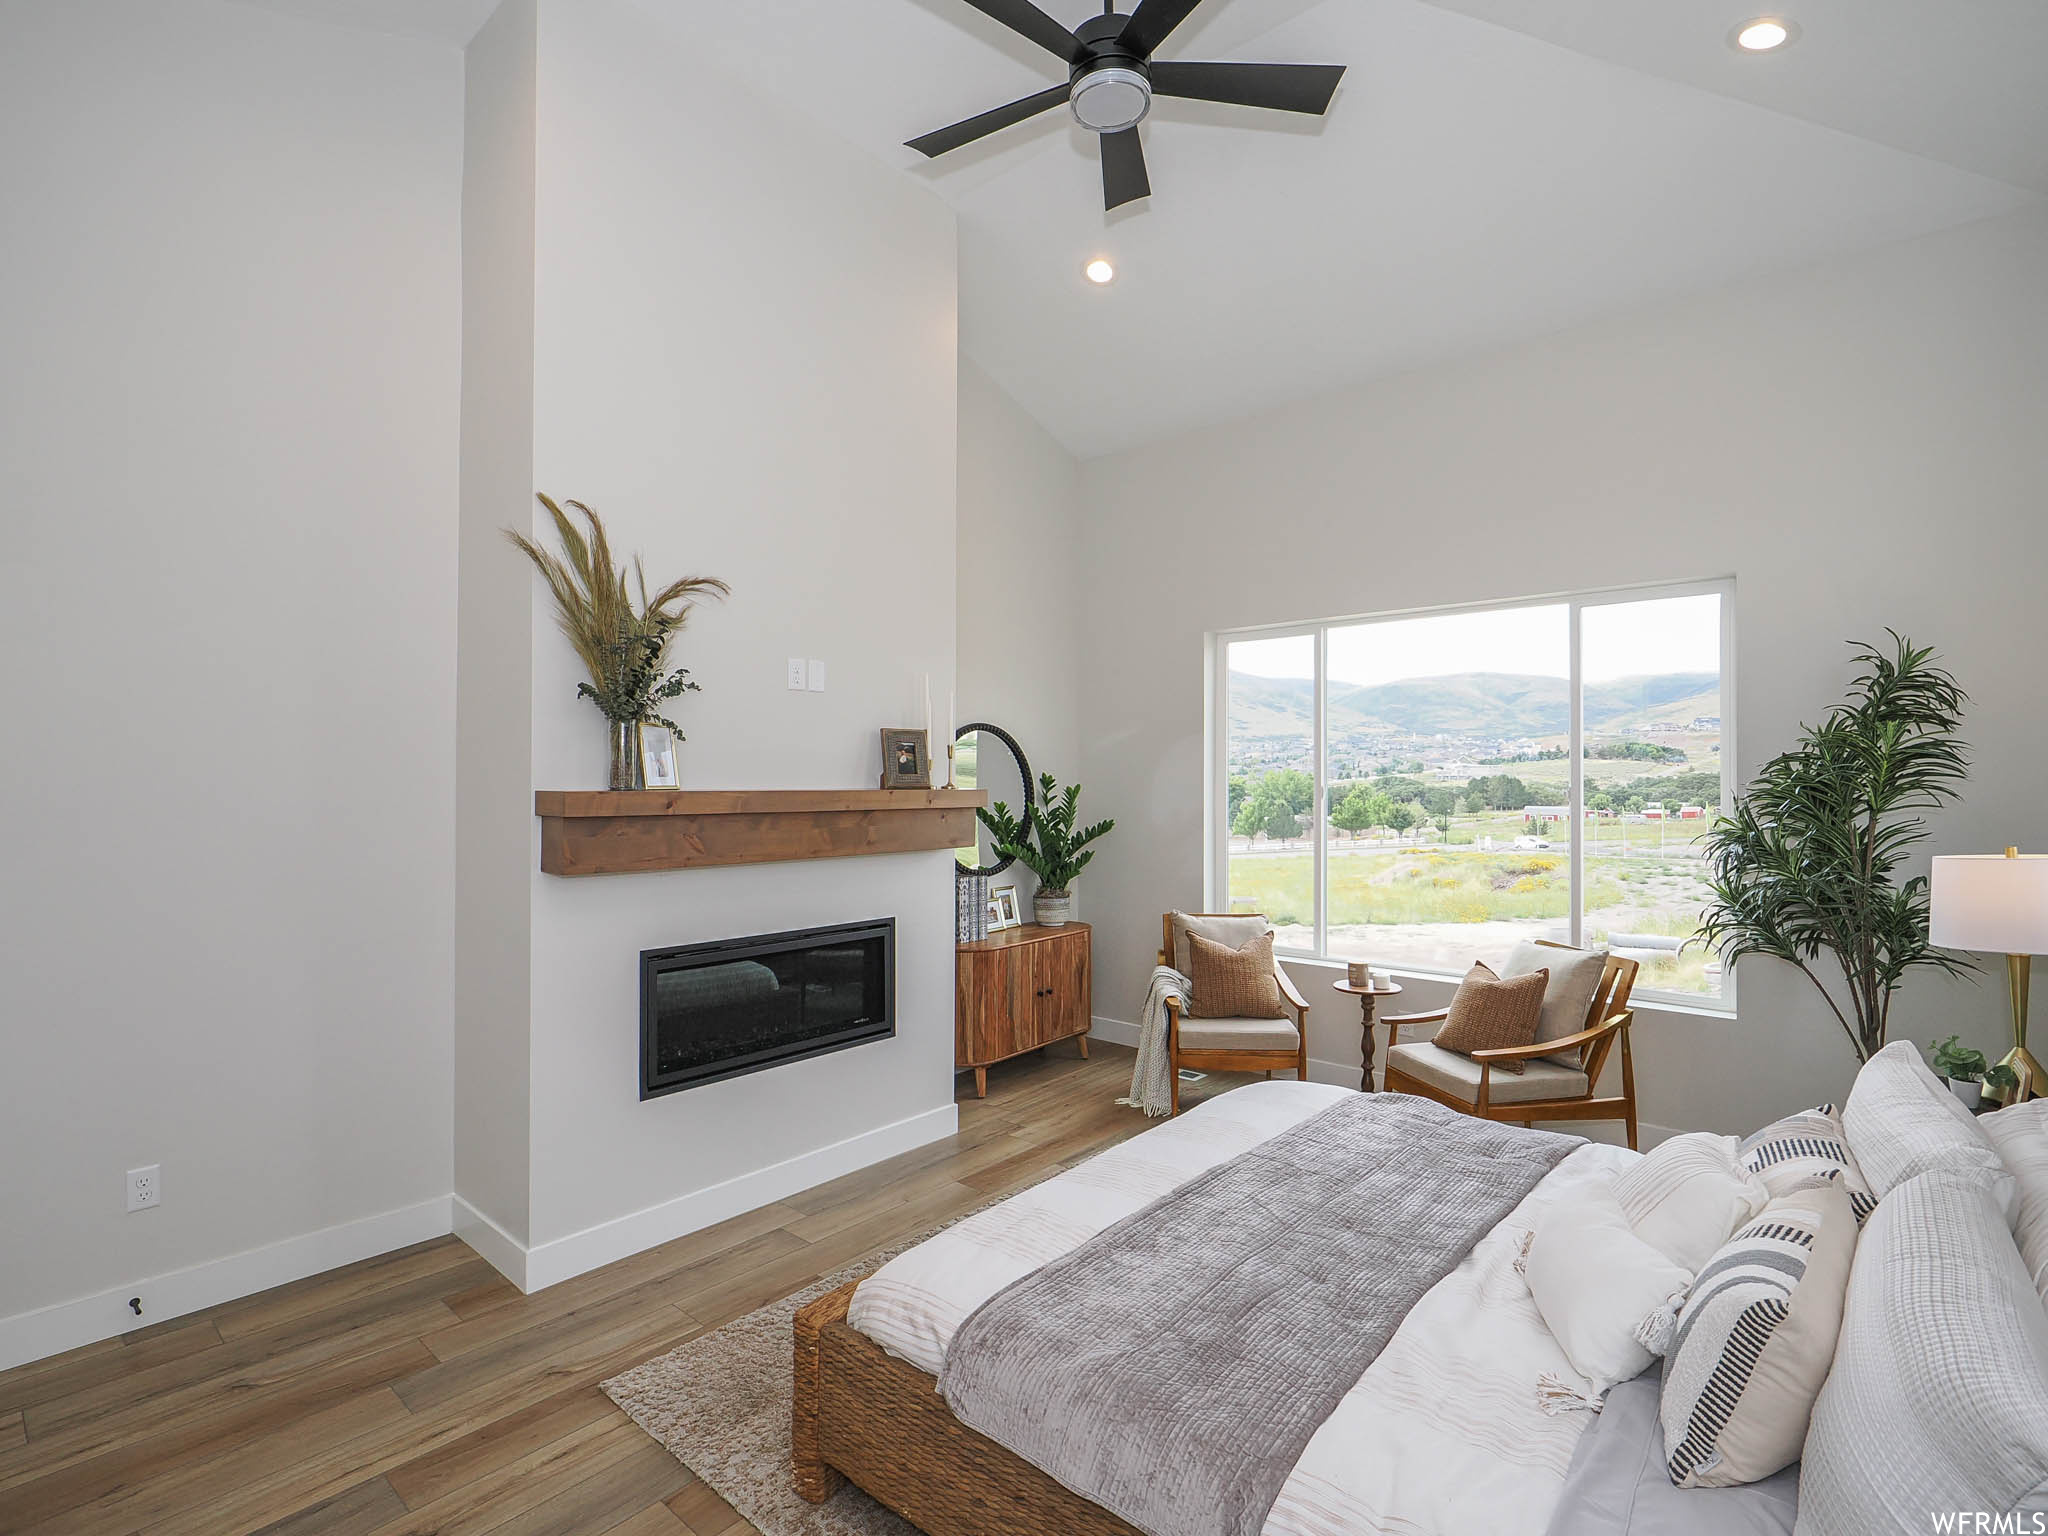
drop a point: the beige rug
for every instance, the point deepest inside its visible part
(721, 1405)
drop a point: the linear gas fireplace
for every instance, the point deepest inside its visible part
(717, 1010)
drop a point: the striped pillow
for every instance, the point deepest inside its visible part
(1755, 1341)
(1789, 1153)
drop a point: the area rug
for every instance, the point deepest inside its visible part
(721, 1404)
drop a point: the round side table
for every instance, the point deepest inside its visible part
(1367, 997)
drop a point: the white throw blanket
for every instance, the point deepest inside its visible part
(1152, 1076)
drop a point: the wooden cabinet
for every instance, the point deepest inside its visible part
(1017, 990)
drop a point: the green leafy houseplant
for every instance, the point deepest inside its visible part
(1045, 841)
(1958, 1062)
(1807, 865)
(623, 643)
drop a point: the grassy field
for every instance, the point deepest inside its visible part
(1424, 891)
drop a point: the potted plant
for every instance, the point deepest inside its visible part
(1046, 843)
(624, 644)
(1808, 862)
(1962, 1067)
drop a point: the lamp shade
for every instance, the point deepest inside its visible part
(1990, 902)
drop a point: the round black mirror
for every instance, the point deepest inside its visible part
(988, 757)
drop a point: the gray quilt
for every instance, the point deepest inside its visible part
(1173, 1368)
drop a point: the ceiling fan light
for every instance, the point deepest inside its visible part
(1111, 99)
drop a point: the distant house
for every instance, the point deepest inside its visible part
(1705, 723)
(1547, 812)
(1692, 812)
(1653, 811)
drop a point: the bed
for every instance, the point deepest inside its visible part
(1450, 1401)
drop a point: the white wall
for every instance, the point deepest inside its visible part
(496, 621)
(1020, 597)
(744, 357)
(228, 300)
(1862, 444)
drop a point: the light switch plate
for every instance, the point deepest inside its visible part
(798, 673)
(817, 673)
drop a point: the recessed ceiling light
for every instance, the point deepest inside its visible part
(1763, 34)
(1099, 271)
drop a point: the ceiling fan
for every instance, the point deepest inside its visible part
(1112, 79)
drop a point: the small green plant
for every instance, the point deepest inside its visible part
(2001, 1079)
(1960, 1063)
(1045, 841)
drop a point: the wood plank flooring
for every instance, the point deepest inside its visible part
(419, 1394)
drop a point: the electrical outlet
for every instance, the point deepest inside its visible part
(817, 675)
(799, 674)
(145, 1187)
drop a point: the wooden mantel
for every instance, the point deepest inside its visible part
(621, 832)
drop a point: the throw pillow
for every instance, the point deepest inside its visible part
(2020, 1133)
(1234, 983)
(1687, 1194)
(1574, 978)
(1787, 1154)
(1231, 931)
(1756, 1339)
(1489, 1014)
(1606, 1296)
(1901, 1122)
(1938, 1398)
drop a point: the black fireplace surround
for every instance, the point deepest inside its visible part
(709, 1011)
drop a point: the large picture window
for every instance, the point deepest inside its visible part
(1424, 790)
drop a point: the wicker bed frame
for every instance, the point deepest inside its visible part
(866, 1417)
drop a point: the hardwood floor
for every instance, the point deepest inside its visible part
(419, 1394)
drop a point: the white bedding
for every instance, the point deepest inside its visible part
(1443, 1433)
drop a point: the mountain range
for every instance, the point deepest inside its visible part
(1468, 704)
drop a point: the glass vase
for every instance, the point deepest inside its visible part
(628, 771)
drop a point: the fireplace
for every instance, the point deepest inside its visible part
(717, 1010)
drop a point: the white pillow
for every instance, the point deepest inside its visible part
(2020, 1133)
(1687, 1194)
(1901, 1123)
(1568, 995)
(1609, 1298)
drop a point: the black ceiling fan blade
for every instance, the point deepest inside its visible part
(1283, 87)
(1021, 16)
(973, 128)
(1123, 169)
(1152, 21)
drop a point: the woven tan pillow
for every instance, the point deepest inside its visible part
(1489, 1014)
(1233, 983)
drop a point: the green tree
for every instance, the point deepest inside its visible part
(1400, 816)
(1298, 789)
(1354, 813)
(1240, 791)
(1279, 820)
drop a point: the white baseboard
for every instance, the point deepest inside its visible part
(1345, 1074)
(66, 1325)
(505, 1253)
(535, 1267)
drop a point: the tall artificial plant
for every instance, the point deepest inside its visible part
(1045, 841)
(1807, 865)
(623, 642)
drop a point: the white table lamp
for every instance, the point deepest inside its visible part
(1999, 904)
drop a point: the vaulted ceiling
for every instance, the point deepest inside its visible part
(1491, 170)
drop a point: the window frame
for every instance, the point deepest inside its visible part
(1216, 822)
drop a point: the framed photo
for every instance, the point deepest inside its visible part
(658, 758)
(1002, 908)
(906, 758)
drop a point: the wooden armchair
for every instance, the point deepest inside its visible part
(1233, 1045)
(1544, 1090)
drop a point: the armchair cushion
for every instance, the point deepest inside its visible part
(1239, 1035)
(1459, 1076)
(1233, 983)
(1574, 978)
(1488, 1013)
(1231, 932)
